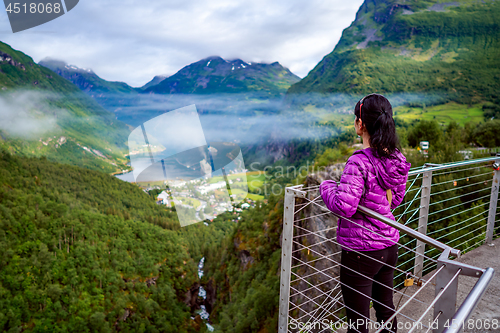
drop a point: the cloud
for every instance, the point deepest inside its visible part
(246, 118)
(26, 114)
(250, 118)
(134, 40)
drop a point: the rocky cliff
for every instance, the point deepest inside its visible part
(321, 255)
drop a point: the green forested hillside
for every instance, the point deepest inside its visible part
(245, 269)
(441, 50)
(82, 251)
(43, 114)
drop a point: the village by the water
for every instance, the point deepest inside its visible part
(205, 198)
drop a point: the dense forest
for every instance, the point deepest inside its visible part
(82, 251)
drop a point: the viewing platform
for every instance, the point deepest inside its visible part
(447, 221)
(488, 308)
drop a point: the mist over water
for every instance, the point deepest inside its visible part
(344, 103)
(254, 117)
(243, 118)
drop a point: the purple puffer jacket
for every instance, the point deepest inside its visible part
(364, 181)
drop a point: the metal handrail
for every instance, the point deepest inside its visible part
(469, 304)
(409, 231)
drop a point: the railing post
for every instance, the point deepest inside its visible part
(493, 205)
(446, 306)
(286, 256)
(425, 198)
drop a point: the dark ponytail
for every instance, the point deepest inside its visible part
(376, 113)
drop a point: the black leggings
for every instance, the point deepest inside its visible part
(354, 285)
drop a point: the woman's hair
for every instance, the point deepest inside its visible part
(376, 113)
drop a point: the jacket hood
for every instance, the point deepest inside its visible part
(391, 171)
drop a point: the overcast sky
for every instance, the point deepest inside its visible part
(134, 40)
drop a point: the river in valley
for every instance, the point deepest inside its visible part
(203, 294)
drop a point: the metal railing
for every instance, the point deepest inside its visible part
(450, 208)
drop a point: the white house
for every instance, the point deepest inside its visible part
(163, 198)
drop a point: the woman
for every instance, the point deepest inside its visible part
(374, 177)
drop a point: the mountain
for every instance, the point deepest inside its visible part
(85, 79)
(447, 51)
(157, 79)
(110, 95)
(216, 75)
(42, 114)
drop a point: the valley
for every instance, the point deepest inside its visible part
(86, 245)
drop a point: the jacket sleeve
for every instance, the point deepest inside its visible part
(343, 199)
(398, 195)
